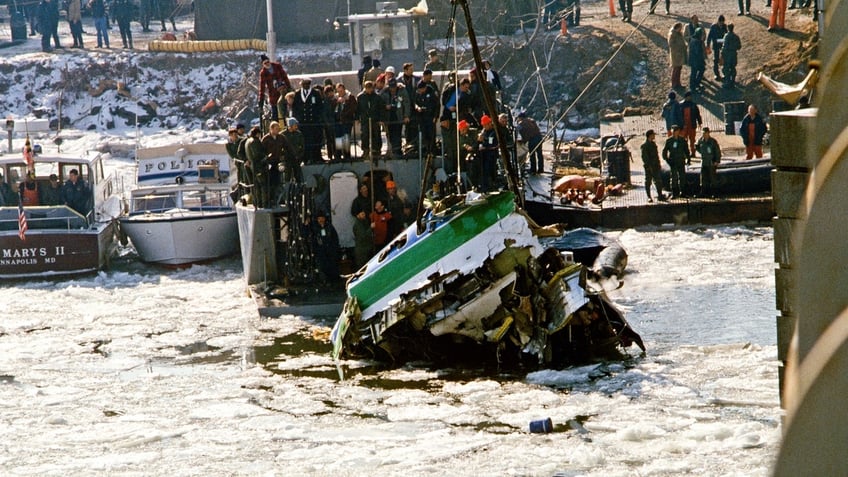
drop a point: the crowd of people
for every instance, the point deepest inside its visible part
(691, 46)
(43, 17)
(683, 120)
(404, 107)
(676, 153)
(318, 124)
(306, 123)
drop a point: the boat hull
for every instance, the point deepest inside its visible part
(181, 209)
(180, 240)
(51, 252)
(468, 238)
(60, 240)
(476, 280)
(257, 242)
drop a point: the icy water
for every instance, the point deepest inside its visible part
(144, 371)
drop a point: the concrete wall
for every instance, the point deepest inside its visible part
(790, 133)
(815, 382)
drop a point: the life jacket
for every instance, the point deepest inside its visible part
(29, 196)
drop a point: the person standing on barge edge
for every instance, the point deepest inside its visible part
(274, 80)
(676, 154)
(710, 156)
(752, 130)
(651, 162)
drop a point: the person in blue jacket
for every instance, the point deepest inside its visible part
(76, 194)
(671, 112)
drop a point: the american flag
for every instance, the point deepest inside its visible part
(22, 222)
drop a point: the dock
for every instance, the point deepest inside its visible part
(315, 300)
(632, 209)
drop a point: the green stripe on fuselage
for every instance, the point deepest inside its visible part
(447, 238)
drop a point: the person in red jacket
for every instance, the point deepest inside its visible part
(274, 80)
(29, 190)
(752, 130)
(692, 121)
(380, 218)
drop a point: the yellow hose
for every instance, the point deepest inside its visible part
(206, 45)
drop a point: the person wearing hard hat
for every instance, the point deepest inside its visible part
(488, 154)
(468, 151)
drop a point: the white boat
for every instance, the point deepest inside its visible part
(181, 211)
(471, 279)
(58, 240)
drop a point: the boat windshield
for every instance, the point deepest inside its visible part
(154, 202)
(199, 199)
(15, 173)
(385, 36)
(205, 199)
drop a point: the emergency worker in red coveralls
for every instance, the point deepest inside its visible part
(692, 121)
(753, 130)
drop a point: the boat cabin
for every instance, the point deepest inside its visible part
(391, 35)
(189, 197)
(189, 177)
(14, 172)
